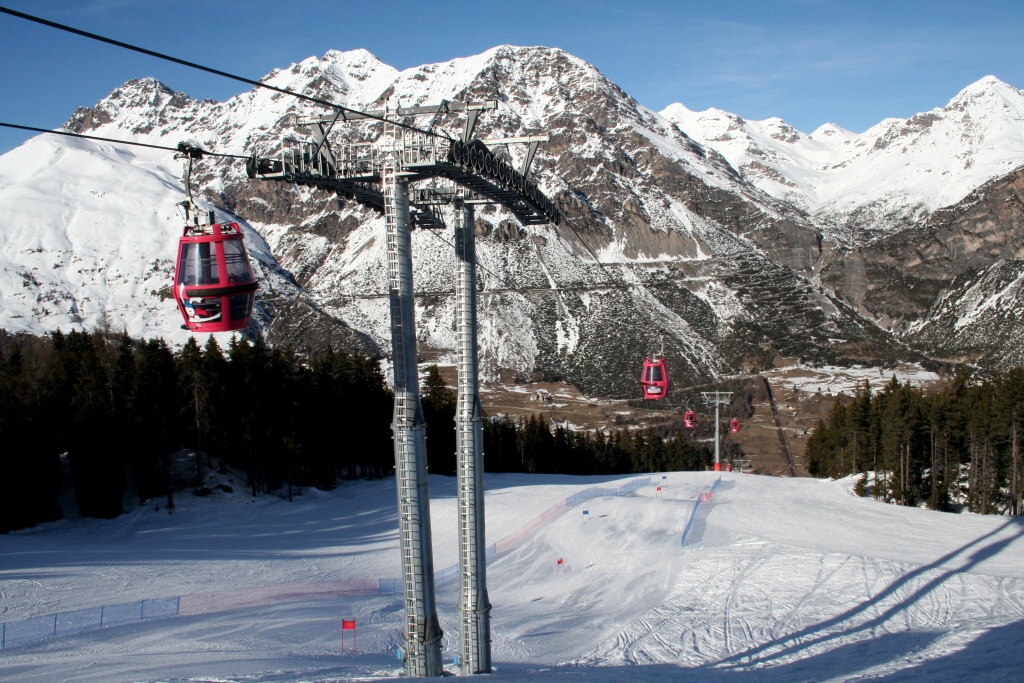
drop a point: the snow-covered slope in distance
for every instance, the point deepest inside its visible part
(902, 169)
(90, 236)
(780, 580)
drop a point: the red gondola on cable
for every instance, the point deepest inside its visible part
(654, 378)
(690, 419)
(734, 425)
(213, 282)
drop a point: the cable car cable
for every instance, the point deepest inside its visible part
(200, 67)
(119, 142)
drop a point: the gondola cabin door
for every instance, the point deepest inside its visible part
(213, 282)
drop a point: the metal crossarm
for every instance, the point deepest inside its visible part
(354, 171)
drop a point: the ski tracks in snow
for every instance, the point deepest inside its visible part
(770, 608)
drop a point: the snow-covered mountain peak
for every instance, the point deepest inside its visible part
(778, 129)
(721, 122)
(914, 165)
(832, 131)
(659, 196)
(141, 108)
(353, 77)
(140, 93)
(984, 92)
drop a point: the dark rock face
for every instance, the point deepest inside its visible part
(901, 276)
(978, 318)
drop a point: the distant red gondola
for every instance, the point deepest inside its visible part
(734, 425)
(690, 419)
(213, 282)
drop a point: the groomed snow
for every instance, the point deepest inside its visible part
(780, 580)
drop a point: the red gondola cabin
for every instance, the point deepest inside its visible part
(213, 282)
(734, 425)
(654, 378)
(690, 419)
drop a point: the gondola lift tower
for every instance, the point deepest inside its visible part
(385, 175)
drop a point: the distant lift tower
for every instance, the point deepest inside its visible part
(381, 175)
(717, 398)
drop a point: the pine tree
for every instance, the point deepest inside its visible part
(195, 400)
(96, 468)
(157, 407)
(28, 461)
(439, 404)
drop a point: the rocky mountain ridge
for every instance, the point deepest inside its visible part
(665, 234)
(897, 172)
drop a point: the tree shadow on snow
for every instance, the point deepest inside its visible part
(994, 656)
(840, 663)
(971, 554)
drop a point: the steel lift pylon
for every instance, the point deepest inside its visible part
(717, 399)
(474, 605)
(381, 176)
(421, 636)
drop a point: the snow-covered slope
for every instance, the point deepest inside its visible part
(89, 237)
(857, 185)
(780, 580)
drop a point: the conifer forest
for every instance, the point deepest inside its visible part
(954, 449)
(104, 417)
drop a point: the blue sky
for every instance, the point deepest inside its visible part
(809, 62)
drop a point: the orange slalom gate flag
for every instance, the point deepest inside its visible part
(348, 624)
(559, 560)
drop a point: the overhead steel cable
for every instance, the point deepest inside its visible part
(499, 290)
(115, 141)
(217, 72)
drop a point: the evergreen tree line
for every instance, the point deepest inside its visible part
(114, 413)
(958, 448)
(529, 444)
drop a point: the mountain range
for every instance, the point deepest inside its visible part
(736, 243)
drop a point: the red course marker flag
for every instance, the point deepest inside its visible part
(348, 625)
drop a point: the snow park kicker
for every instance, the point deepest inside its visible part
(780, 580)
